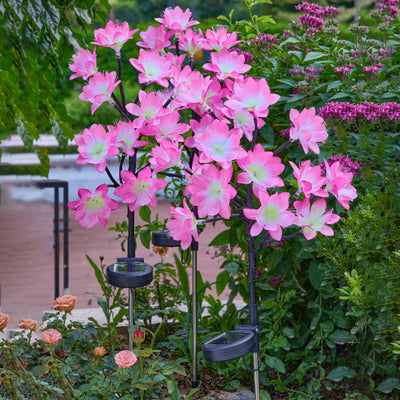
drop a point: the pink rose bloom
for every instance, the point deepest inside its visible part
(93, 209)
(125, 359)
(51, 336)
(84, 64)
(113, 35)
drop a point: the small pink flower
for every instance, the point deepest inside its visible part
(93, 209)
(308, 128)
(251, 95)
(220, 144)
(125, 359)
(211, 192)
(176, 19)
(309, 179)
(183, 225)
(219, 39)
(139, 191)
(339, 185)
(261, 167)
(84, 64)
(153, 67)
(244, 120)
(227, 64)
(127, 136)
(166, 155)
(155, 38)
(114, 35)
(95, 145)
(190, 42)
(167, 128)
(99, 89)
(51, 336)
(315, 218)
(272, 215)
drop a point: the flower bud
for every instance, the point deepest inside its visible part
(138, 336)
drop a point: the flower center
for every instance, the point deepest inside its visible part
(215, 191)
(270, 213)
(141, 187)
(95, 203)
(257, 172)
(97, 150)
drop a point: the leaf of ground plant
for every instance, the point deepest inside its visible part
(337, 374)
(388, 385)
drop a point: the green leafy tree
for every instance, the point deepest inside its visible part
(37, 40)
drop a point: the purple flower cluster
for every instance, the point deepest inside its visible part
(343, 72)
(346, 163)
(386, 10)
(265, 42)
(275, 281)
(313, 17)
(372, 71)
(310, 74)
(344, 111)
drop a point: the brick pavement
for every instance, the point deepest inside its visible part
(27, 257)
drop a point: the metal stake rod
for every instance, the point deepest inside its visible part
(194, 314)
(131, 314)
(56, 243)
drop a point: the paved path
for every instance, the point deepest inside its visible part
(27, 257)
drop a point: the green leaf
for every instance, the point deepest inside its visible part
(314, 55)
(339, 95)
(289, 82)
(172, 387)
(315, 275)
(232, 267)
(341, 337)
(145, 237)
(145, 213)
(183, 276)
(275, 363)
(298, 54)
(221, 239)
(334, 85)
(388, 385)
(43, 155)
(266, 19)
(98, 273)
(337, 374)
(222, 281)
(264, 395)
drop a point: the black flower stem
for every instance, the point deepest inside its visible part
(115, 183)
(177, 44)
(172, 175)
(121, 165)
(121, 87)
(283, 147)
(206, 221)
(118, 106)
(255, 134)
(265, 239)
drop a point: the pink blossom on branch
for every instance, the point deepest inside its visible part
(156, 38)
(251, 95)
(191, 42)
(84, 64)
(166, 155)
(93, 209)
(219, 38)
(139, 191)
(218, 143)
(183, 225)
(126, 136)
(114, 35)
(95, 145)
(315, 218)
(272, 215)
(339, 185)
(99, 89)
(261, 167)
(309, 179)
(308, 128)
(211, 192)
(153, 67)
(176, 19)
(227, 64)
